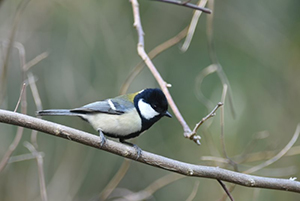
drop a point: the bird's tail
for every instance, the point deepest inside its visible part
(56, 112)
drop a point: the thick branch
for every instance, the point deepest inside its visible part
(146, 157)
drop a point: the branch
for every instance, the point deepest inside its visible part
(163, 85)
(279, 155)
(146, 157)
(210, 115)
(186, 4)
(192, 26)
(17, 18)
(40, 162)
(19, 134)
(152, 54)
(113, 183)
(226, 190)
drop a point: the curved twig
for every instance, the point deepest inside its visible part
(279, 155)
(192, 26)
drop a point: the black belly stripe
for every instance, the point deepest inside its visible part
(132, 135)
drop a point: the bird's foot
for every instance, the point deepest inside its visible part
(102, 138)
(137, 148)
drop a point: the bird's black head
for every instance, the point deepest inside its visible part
(151, 105)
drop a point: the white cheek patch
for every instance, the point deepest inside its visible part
(146, 110)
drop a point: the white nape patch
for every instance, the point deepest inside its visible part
(146, 110)
(111, 104)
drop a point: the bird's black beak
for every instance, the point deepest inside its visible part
(168, 114)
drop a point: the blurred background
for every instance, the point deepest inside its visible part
(90, 51)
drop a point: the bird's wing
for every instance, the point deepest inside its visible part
(109, 106)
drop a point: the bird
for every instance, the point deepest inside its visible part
(123, 117)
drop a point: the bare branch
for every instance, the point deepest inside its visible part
(152, 54)
(214, 57)
(225, 189)
(194, 191)
(153, 187)
(205, 72)
(36, 60)
(11, 148)
(115, 180)
(279, 155)
(23, 157)
(20, 97)
(259, 156)
(39, 159)
(186, 4)
(17, 18)
(146, 157)
(141, 51)
(37, 101)
(231, 162)
(192, 26)
(19, 134)
(211, 114)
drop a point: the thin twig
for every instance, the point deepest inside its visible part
(242, 157)
(23, 96)
(225, 189)
(214, 57)
(224, 196)
(109, 188)
(256, 193)
(222, 121)
(79, 178)
(192, 26)
(152, 54)
(22, 57)
(36, 60)
(272, 160)
(259, 156)
(141, 51)
(194, 191)
(11, 148)
(23, 157)
(186, 4)
(279, 155)
(153, 187)
(18, 136)
(179, 167)
(214, 158)
(280, 172)
(20, 97)
(39, 160)
(38, 104)
(203, 74)
(162, 182)
(211, 114)
(222, 137)
(21, 7)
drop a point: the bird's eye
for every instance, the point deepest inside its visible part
(154, 106)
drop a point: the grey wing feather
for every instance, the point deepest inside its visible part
(102, 107)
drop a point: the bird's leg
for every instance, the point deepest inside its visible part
(102, 138)
(137, 148)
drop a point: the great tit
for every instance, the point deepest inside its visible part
(123, 117)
